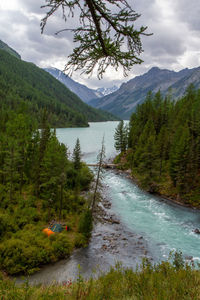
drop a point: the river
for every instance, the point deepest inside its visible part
(149, 226)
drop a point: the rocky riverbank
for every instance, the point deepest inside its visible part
(152, 189)
(114, 237)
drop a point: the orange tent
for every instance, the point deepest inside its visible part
(48, 231)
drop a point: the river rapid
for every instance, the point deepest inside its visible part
(148, 226)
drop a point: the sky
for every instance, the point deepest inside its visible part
(174, 45)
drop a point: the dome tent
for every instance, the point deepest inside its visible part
(56, 228)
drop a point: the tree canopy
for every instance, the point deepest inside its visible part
(164, 145)
(106, 35)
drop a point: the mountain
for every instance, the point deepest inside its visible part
(107, 91)
(5, 47)
(82, 91)
(125, 100)
(25, 87)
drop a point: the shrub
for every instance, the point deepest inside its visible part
(85, 223)
(6, 224)
(85, 177)
(80, 241)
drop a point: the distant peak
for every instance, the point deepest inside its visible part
(52, 68)
(154, 69)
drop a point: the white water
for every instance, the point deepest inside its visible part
(164, 225)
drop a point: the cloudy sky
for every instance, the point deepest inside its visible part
(175, 43)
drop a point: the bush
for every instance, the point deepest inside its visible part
(61, 246)
(29, 248)
(85, 177)
(6, 224)
(80, 241)
(85, 224)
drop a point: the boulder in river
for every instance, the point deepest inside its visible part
(197, 231)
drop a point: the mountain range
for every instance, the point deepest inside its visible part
(83, 92)
(125, 100)
(63, 99)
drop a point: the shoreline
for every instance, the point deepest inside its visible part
(172, 200)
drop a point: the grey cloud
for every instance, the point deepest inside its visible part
(164, 41)
(32, 6)
(188, 12)
(28, 40)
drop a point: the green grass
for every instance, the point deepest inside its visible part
(171, 281)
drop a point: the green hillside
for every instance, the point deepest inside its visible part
(25, 87)
(9, 50)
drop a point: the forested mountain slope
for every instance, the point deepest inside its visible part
(5, 47)
(125, 100)
(25, 86)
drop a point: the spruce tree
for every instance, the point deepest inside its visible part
(77, 155)
(121, 137)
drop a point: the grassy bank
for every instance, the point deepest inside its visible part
(163, 281)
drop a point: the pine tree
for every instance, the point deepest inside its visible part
(45, 136)
(77, 155)
(52, 168)
(121, 137)
(162, 147)
(179, 158)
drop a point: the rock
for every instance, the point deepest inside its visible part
(114, 221)
(104, 247)
(153, 188)
(197, 231)
(98, 234)
(139, 243)
(189, 257)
